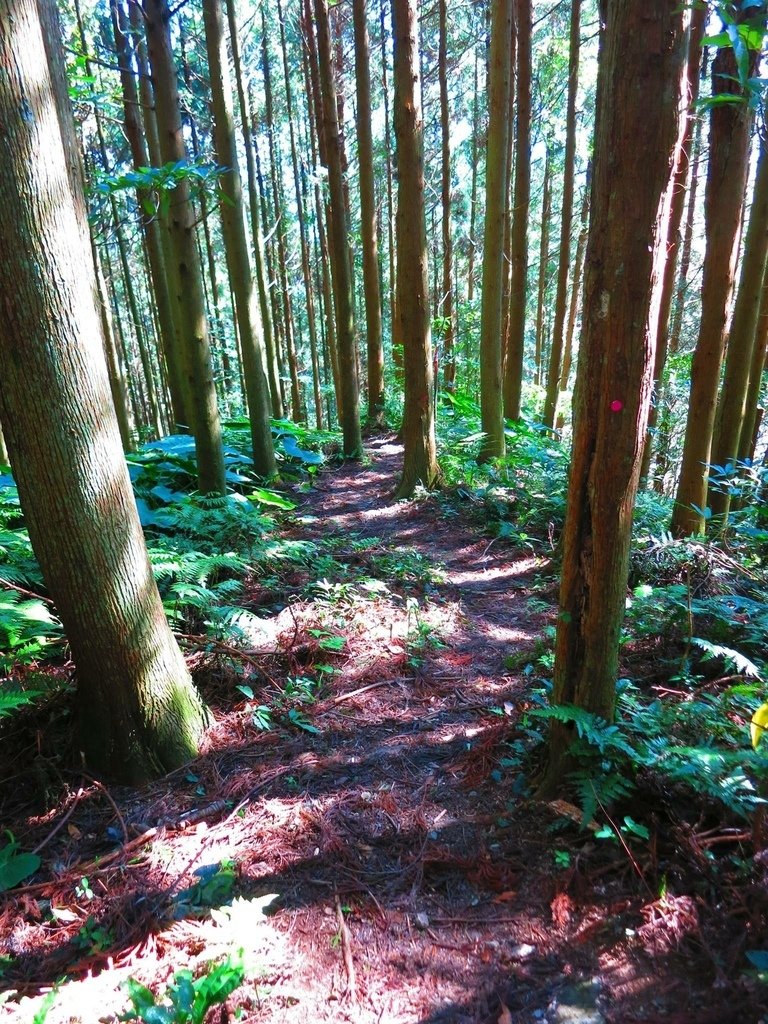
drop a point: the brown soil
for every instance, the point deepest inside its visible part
(417, 880)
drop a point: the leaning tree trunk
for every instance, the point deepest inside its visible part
(139, 714)
(491, 318)
(236, 243)
(724, 199)
(638, 111)
(187, 275)
(420, 459)
(340, 265)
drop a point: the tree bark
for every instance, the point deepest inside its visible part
(491, 318)
(236, 243)
(187, 277)
(724, 197)
(139, 713)
(420, 458)
(340, 265)
(513, 374)
(639, 90)
(566, 217)
(546, 216)
(370, 241)
(742, 338)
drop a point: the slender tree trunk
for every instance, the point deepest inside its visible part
(698, 17)
(473, 187)
(753, 414)
(726, 184)
(4, 460)
(368, 217)
(685, 252)
(639, 87)
(446, 299)
(139, 714)
(188, 277)
(491, 319)
(340, 267)
(390, 189)
(566, 217)
(742, 339)
(578, 267)
(303, 229)
(236, 243)
(420, 459)
(150, 224)
(115, 372)
(257, 241)
(513, 375)
(280, 229)
(546, 217)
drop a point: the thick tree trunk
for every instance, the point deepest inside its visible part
(566, 217)
(638, 110)
(236, 243)
(420, 459)
(368, 218)
(340, 265)
(471, 245)
(139, 714)
(491, 318)
(187, 275)
(724, 198)
(513, 373)
(742, 339)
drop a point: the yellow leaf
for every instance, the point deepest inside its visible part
(759, 724)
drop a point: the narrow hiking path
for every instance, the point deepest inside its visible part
(417, 882)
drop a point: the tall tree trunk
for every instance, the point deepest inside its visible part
(303, 229)
(368, 217)
(753, 415)
(742, 339)
(546, 216)
(420, 459)
(257, 241)
(340, 267)
(578, 267)
(150, 224)
(446, 298)
(390, 189)
(724, 197)
(187, 276)
(566, 217)
(236, 243)
(491, 319)
(275, 170)
(639, 87)
(115, 372)
(698, 18)
(513, 374)
(139, 714)
(474, 159)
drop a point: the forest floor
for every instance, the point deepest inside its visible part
(416, 879)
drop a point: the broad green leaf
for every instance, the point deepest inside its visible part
(271, 498)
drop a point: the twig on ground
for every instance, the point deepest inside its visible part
(346, 949)
(61, 823)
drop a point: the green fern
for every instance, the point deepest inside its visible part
(12, 700)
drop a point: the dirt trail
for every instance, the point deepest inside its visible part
(417, 882)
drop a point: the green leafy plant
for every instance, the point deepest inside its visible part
(15, 865)
(187, 999)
